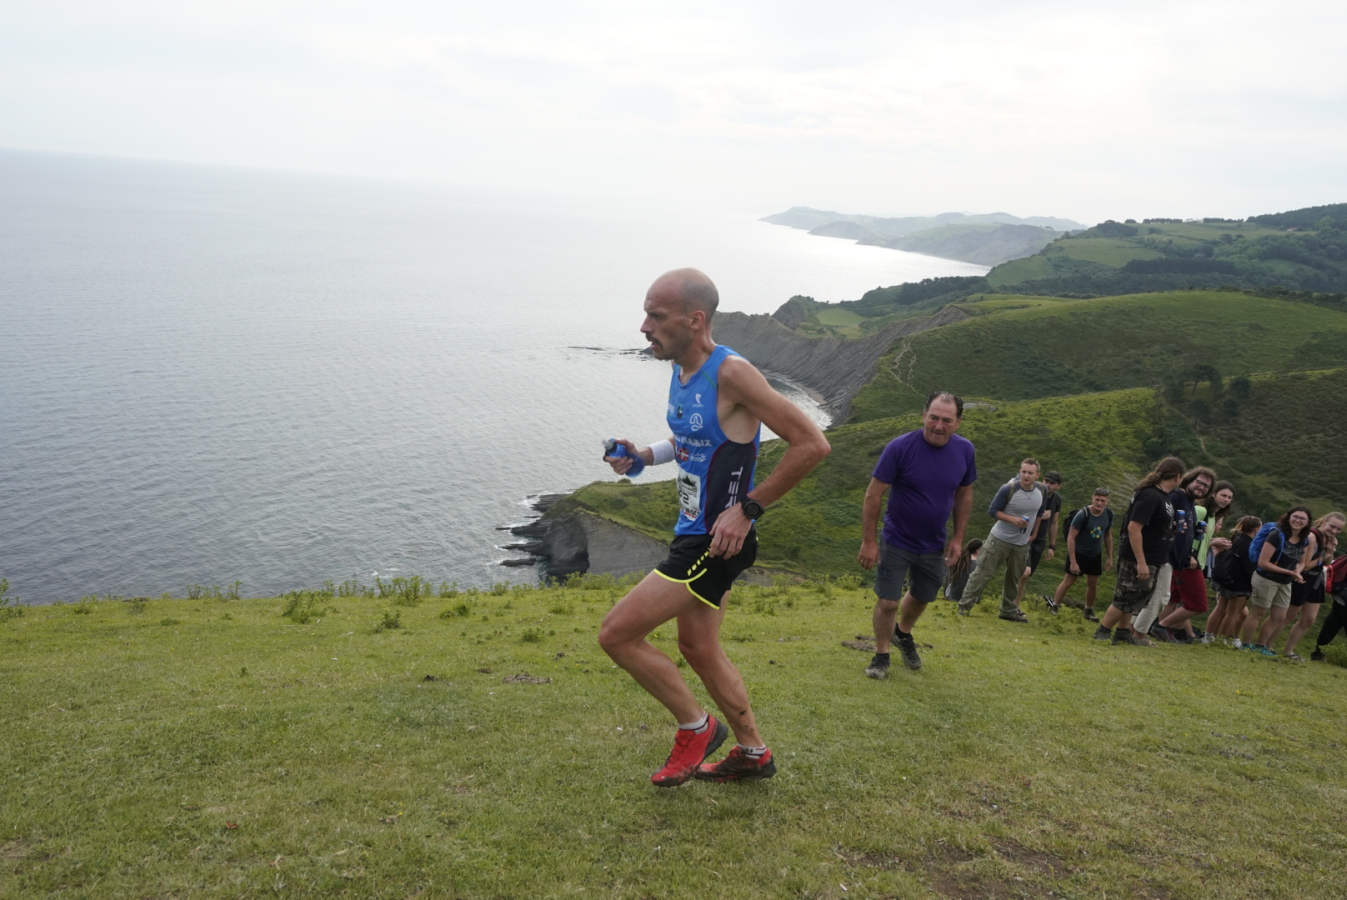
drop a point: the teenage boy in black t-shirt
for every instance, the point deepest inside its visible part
(1148, 531)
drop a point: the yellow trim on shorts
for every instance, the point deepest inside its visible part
(687, 583)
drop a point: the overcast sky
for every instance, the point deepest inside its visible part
(1034, 108)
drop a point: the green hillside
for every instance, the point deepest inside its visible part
(1020, 347)
(1096, 389)
(1302, 251)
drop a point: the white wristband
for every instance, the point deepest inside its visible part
(661, 452)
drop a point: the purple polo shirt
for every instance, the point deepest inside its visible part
(922, 482)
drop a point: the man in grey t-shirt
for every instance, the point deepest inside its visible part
(1015, 509)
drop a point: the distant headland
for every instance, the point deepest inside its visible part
(987, 239)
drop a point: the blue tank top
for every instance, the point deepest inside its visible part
(714, 472)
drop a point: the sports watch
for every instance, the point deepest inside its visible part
(752, 508)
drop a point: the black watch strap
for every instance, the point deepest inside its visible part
(752, 508)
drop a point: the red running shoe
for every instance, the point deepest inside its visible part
(738, 766)
(689, 749)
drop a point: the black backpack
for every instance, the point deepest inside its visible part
(1067, 520)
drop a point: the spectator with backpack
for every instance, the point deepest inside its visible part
(1307, 598)
(1231, 572)
(1145, 549)
(1089, 550)
(1335, 585)
(1280, 549)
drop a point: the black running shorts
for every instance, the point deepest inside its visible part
(707, 577)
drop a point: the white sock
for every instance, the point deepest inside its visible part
(755, 752)
(698, 726)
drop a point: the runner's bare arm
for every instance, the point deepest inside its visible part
(754, 400)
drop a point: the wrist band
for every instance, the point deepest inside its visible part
(661, 452)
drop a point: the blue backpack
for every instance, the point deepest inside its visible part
(1259, 539)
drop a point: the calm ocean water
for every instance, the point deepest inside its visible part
(213, 375)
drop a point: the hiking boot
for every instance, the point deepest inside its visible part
(879, 666)
(1052, 604)
(1128, 636)
(689, 750)
(1317, 655)
(1089, 615)
(1014, 616)
(908, 648)
(1103, 634)
(738, 766)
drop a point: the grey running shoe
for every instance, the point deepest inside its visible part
(1103, 634)
(908, 648)
(879, 666)
(1015, 616)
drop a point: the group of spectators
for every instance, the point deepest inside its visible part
(1174, 548)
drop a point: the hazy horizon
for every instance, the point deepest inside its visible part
(1039, 108)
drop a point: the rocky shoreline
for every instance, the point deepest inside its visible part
(563, 543)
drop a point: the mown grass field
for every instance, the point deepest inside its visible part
(485, 747)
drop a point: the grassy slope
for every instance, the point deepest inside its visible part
(214, 748)
(1110, 342)
(1066, 254)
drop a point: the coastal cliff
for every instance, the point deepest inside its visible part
(834, 368)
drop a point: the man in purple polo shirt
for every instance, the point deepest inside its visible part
(931, 472)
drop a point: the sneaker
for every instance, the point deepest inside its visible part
(1052, 604)
(1317, 655)
(1180, 637)
(1163, 635)
(908, 648)
(1261, 650)
(879, 666)
(689, 750)
(1206, 638)
(1293, 656)
(962, 610)
(738, 766)
(1237, 643)
(1015, 616)
(1089, 615)
(1103, 634)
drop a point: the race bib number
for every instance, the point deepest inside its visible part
(689, 495)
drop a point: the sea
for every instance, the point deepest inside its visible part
(221, 378)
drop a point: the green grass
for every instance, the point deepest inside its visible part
(1114, 252)
(487, 748)
(1046, 349)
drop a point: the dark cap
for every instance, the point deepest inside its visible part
(1052, 478)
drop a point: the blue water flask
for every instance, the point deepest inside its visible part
(612, 448)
